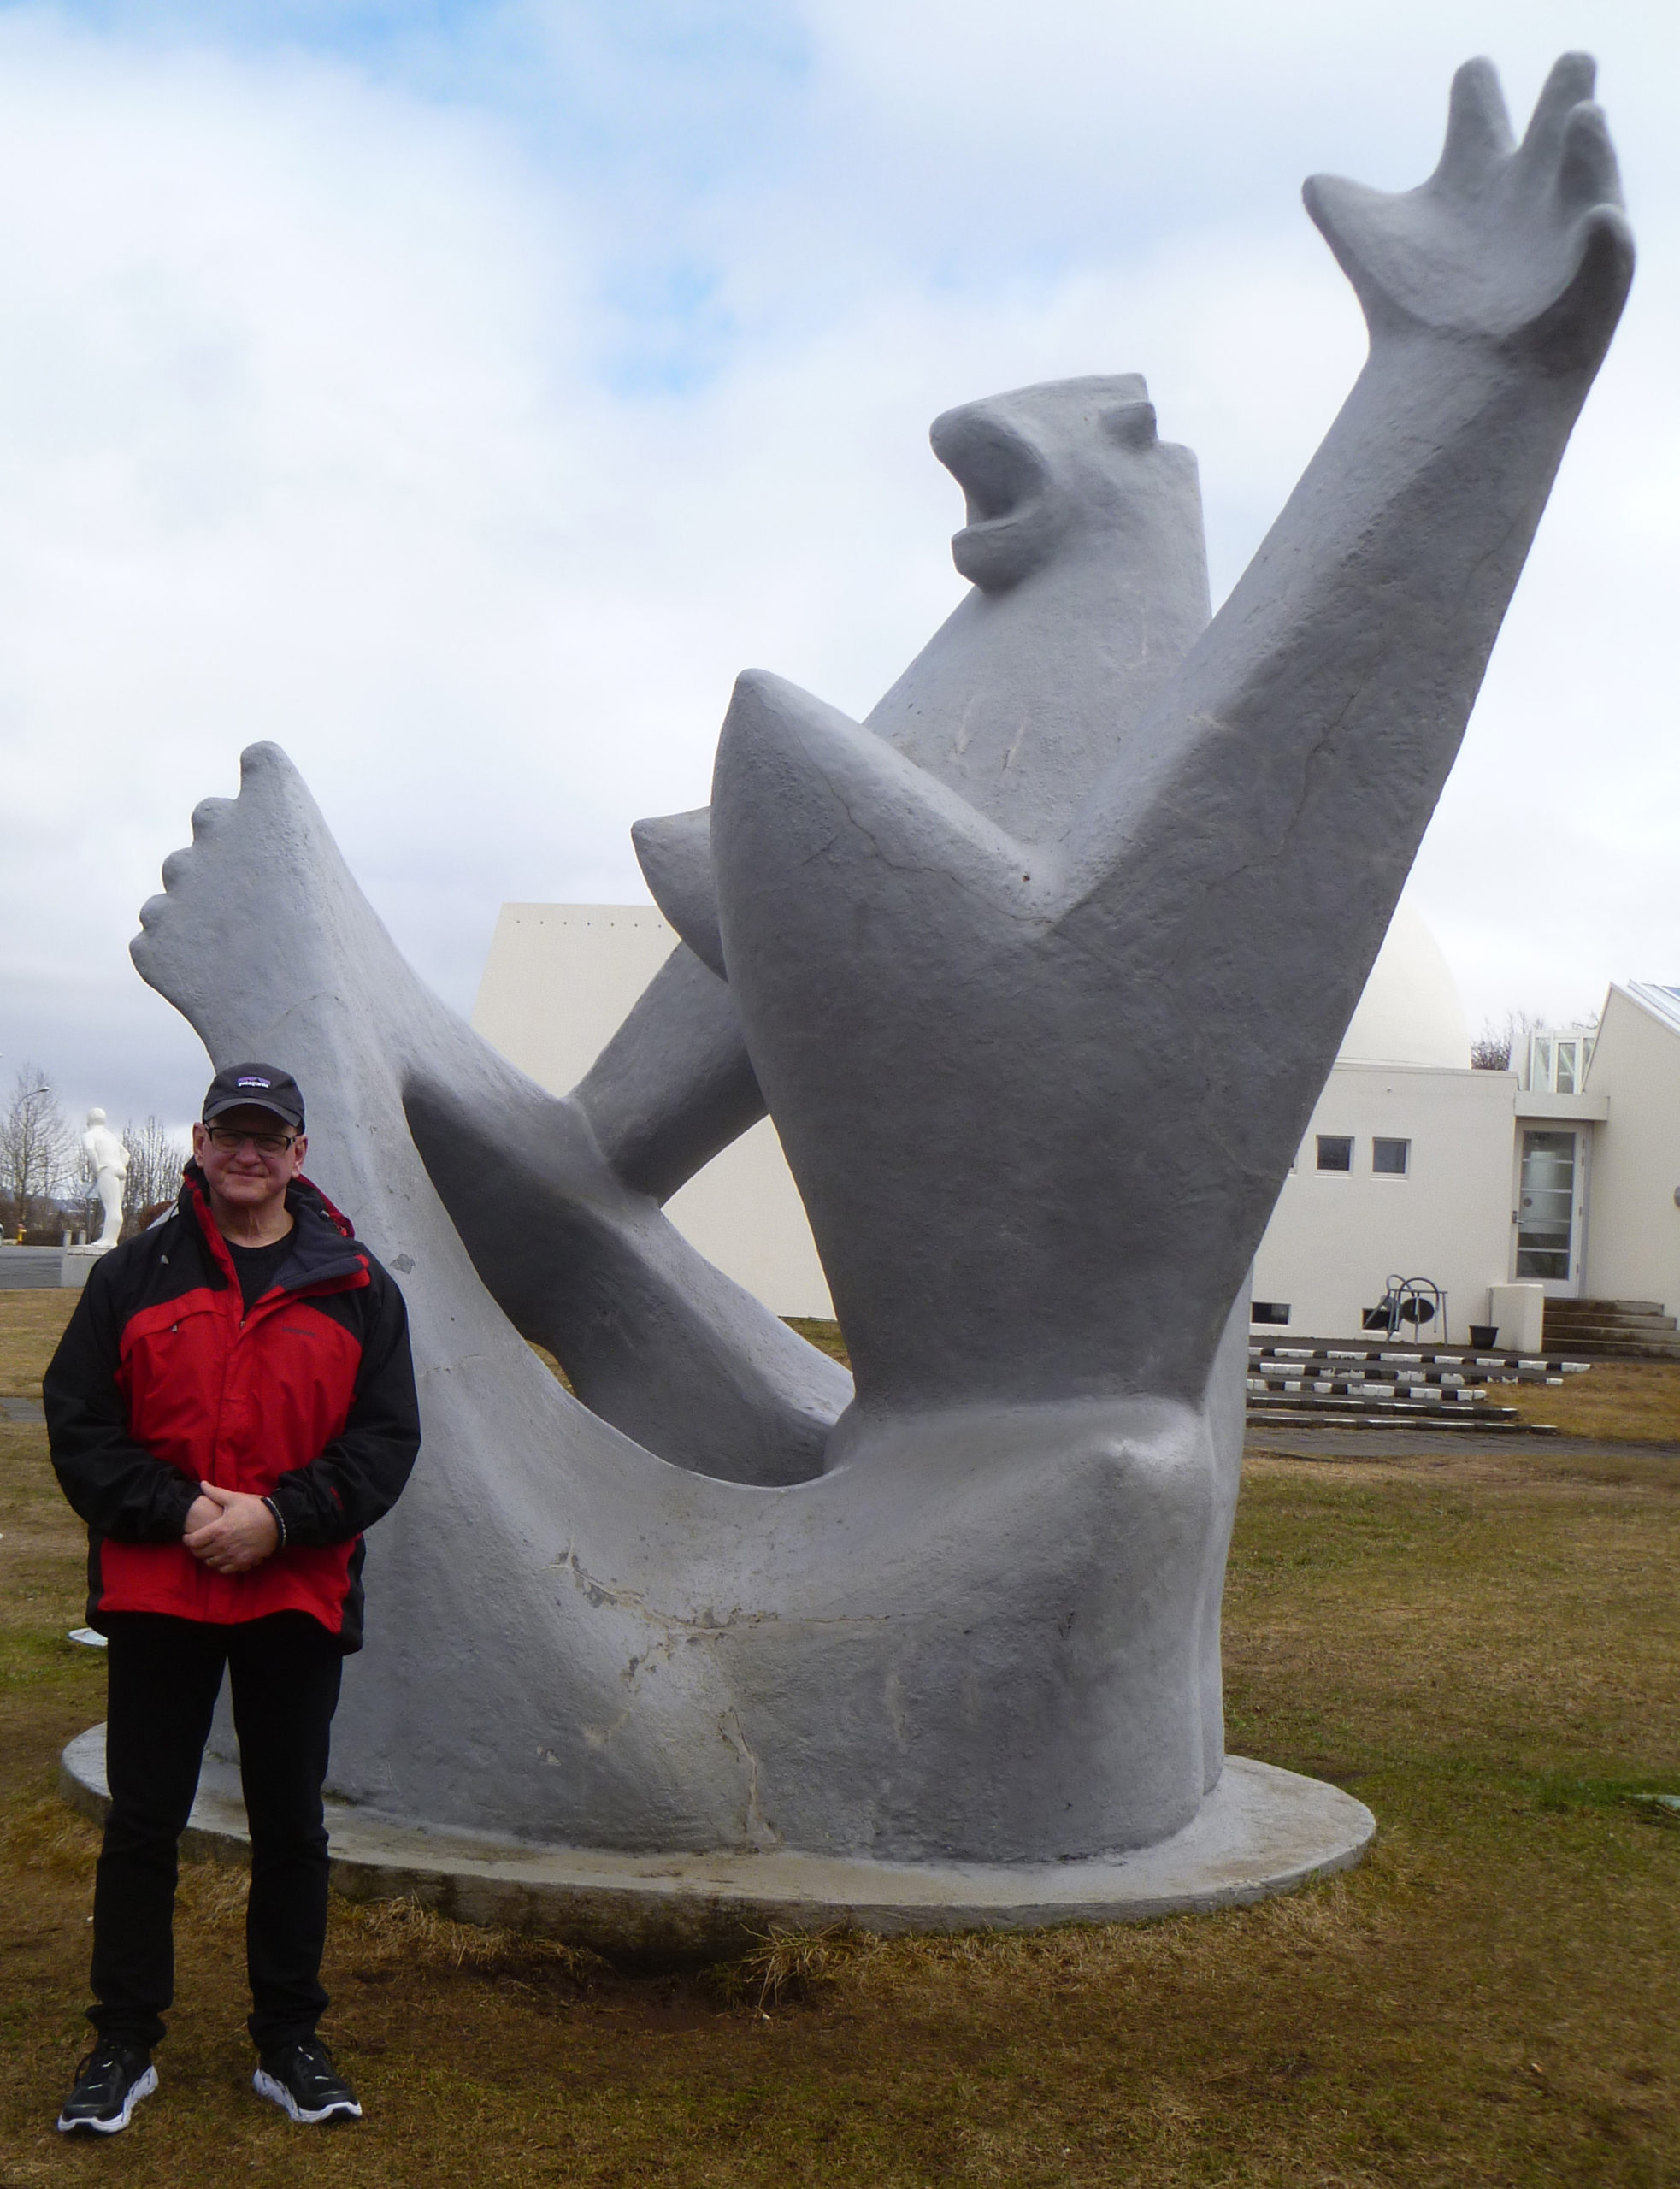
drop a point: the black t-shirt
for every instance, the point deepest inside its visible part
(258, 1267)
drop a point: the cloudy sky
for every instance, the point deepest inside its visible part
(460, 393)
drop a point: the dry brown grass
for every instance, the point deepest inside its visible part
(824, 1333)
(1485, 1650)
(410, 1936)
(550, 1363)
(31, 1325)
(1623, 1401)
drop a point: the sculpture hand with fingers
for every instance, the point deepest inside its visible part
(1040, 971)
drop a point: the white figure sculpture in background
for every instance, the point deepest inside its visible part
(109, 1159)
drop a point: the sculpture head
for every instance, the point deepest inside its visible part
(1043, 466)
(95, 1118)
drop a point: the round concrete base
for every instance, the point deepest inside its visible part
(1262, 1831)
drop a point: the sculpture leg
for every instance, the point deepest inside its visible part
(674, 1085)
(654, 1339)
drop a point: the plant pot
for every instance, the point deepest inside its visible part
(1484, 1336)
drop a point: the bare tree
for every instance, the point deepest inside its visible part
(1491, 1049)
(1495, 1046)
(155, 1162)
(37, 1153)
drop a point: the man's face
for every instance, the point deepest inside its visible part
(245, 1176)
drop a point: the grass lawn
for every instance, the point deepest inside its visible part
(1624, 1401)
(1484, 1650)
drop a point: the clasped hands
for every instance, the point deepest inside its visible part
(229, 1530)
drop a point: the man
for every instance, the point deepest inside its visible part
(231, 1404)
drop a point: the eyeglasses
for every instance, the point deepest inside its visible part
(227, 1141)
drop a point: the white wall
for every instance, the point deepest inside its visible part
(1334, 1237)
(1633, 1226)
(556, 986)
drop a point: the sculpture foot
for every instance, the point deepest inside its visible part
(261, 921)
(264, 941)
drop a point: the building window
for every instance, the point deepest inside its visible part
(1336, 1152)
(1268, 1311)
(1558, 1062)
(1391, 1159)
(1571, 1069)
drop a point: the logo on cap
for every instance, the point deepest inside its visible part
(253, 1083)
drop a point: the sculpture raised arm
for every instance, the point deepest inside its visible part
(1099, 1052)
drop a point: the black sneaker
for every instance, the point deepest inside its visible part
(302, 2078)
(110, 2082)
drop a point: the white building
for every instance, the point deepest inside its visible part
(1405, 1168)
(1625, 1132)
(1560, 1178)
(557, 985)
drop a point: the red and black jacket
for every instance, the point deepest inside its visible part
(163, 1381)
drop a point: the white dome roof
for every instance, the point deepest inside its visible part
(1410, 1012)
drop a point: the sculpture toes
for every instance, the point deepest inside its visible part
(165, 952)
(177, 873)
(161, 916)
(264, 768)
(266, 777)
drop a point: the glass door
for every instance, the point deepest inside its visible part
(1551, 1194)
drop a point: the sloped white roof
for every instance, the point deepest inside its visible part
(1411, 1013)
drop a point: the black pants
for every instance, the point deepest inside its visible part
(164, 1676)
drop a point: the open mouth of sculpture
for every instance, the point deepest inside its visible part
(1001, 475)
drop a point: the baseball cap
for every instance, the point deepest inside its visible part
(255, 1086)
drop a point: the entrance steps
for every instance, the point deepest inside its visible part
(1612, 1330)
(1377, 1386)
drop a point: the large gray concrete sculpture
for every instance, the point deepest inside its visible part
(1040, 970)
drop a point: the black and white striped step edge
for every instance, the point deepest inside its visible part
(1352, 1387)
(1371, 1402)
(1261, 1418)
(1415, 1356)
